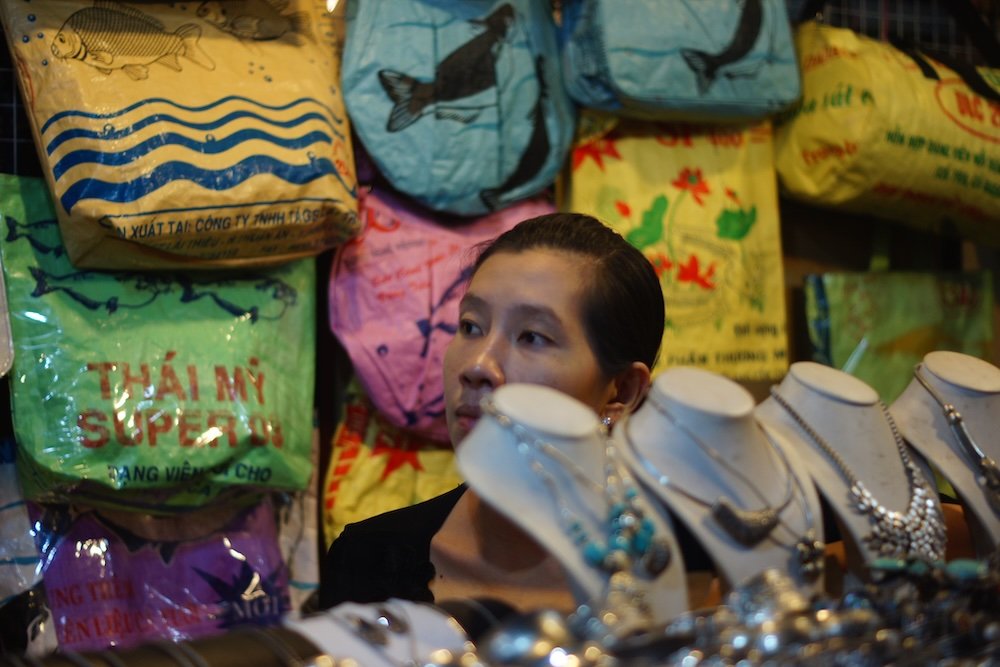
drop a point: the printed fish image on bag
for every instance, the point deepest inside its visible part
(110, 36)
(169, 141)
(460, 106)
(254, 19)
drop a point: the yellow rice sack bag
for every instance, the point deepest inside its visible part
(187, 135)
(701, 202)
(894, 135)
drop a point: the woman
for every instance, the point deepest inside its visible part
(560, 300)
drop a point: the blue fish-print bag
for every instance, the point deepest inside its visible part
(460, 104)
(680, 59)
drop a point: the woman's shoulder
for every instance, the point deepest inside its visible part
(387, 555)
(418, 518)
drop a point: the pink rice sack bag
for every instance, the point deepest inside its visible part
(394, 293)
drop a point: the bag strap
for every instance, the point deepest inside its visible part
(963, 13)
(968, 73)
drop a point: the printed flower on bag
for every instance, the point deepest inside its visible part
(661, 263)
(690, 180)
(689, 272)
(597, 150)
(397, 454)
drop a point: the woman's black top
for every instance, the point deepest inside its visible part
(389, 555)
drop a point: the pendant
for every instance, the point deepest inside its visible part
(656, 558)
(748, 527)
(989, 481)
(811, 554)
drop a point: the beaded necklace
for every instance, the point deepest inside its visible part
(918, 532)
(629, 550)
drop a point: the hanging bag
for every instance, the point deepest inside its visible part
(895, 135)
(459, 103)
(701, 203)
(186, 135)
(675, 59)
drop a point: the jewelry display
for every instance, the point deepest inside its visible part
(989, 473)
(629, 547)
(920, 531)
(748, 527)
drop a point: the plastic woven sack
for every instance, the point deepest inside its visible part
(376, 466)
(157, 391)
(679, 60)
(459, 103)
(394, 295)
(187, 135)
(892, 135)
(878, 325)
(117, 580)
(701, 203)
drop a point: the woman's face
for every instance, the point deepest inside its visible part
(521, 321)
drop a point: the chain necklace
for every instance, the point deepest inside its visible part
(630, 546)
(918, 532)
(989, 473)
(748, 527)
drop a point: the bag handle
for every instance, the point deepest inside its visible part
(968, 73)
(963, 13)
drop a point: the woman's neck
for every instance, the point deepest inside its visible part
(499, 541)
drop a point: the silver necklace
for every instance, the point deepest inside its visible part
(989, 473)
(918, 532)
(748, 527)
(739, 524)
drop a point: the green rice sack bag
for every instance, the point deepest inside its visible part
(155, 391)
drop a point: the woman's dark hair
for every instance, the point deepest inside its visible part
(623, 312)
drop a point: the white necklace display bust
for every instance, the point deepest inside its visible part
(882, 498)
(695, 441)
(971, 387)
(541, 458)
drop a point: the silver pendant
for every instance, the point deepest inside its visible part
(748, 527)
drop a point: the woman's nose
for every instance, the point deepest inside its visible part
(485, 366)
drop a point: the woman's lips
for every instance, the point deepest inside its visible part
(466, 417)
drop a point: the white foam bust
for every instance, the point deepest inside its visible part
(695, 440)
(845, 414)
(539, 487)
(972, 387)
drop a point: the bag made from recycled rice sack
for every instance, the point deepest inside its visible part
(157, 391)
(678, 60)
(460, 104)
(168, 578)
(394, 293)
(375, 466)
(878, 325)
(185, 135)
(701, 203)
(893, 135)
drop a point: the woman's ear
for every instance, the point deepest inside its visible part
(630, 387)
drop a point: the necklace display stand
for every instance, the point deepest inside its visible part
(883, 499)
(696, 442)
(541, 458)
(971, 387)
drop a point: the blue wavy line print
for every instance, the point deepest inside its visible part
(78, 133)
(212, 147)
(160, 100)
(219, 179)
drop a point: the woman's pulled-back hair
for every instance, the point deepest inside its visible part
(623, 312)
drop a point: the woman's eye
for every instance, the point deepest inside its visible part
(534, 338)
(468, 327)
